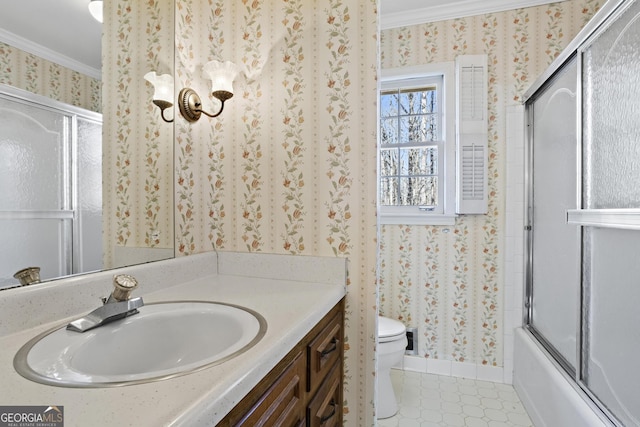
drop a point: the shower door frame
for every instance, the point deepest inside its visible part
(558, 358)
(612, 218)
(71, 259)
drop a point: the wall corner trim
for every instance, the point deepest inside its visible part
(45, 53)
(453, 10)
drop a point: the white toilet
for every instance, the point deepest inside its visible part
(392, 339)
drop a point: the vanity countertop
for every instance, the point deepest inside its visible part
(290, 307)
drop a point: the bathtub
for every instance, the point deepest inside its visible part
(548, 394)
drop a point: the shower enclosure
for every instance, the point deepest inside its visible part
(50, 186)
(583, 217)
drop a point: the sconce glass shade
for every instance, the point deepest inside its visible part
(163, 91)
(95, 8)
(222, 75)
(163, 85)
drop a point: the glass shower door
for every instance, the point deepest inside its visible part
(555, 262)
(583, 273)
(87, 253)
(611, 217)
(50, 187)
(35, 215)
(612, 335)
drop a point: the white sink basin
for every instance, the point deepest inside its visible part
(162, 341)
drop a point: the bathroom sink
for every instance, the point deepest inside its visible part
(163, 340)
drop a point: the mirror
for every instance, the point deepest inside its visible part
(56, 50)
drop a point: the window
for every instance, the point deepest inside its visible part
(417, 145)
(410, 123)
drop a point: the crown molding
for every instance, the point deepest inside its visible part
(50, 55)
(458, 9)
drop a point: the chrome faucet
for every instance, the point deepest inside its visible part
(117, 306)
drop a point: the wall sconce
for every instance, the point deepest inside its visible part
(163, 91)
(221, 74)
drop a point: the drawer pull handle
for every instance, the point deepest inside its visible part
(333, 412)
(333, 348)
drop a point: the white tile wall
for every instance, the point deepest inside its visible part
(415, 363)
(439, 367)
(514, 240)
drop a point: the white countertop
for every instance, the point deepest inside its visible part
(291, 309)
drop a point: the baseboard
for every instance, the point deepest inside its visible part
(453, 369)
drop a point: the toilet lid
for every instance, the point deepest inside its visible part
(390, 327)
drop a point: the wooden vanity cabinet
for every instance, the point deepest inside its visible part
(325, 409)
(305, 388)
(281, 404)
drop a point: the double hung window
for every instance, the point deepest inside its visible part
(416, 150)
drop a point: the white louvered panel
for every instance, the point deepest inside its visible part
(471, 112)
(473, 172)
(471, 87)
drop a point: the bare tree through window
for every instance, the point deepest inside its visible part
(409, 135)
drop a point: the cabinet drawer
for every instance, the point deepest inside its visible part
(325, 409)
(307, 380)
(323, 352)
(282, 404)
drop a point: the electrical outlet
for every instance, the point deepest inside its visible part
(412, 342)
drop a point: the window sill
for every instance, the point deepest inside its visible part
(418, 219)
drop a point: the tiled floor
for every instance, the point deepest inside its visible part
(427, 400)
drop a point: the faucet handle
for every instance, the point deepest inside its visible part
(123, 285)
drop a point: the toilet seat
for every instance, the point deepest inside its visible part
(390, 329)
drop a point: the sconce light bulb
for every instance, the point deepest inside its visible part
(163, 85)
(163, 91)
(222, 75)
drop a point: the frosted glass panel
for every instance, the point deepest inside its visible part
(89, 255)
(32, 157)
(584, 276)
(556, 256)
(43, 243)
(612, 115)
(613, 334)
(50, 188)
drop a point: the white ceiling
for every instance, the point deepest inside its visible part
(50, 28)
(64, 32)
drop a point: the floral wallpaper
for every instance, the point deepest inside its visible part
(29, 72)
(289, 167)
(137, 143)
(449, 281)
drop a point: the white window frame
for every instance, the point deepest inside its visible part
(413, 215)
